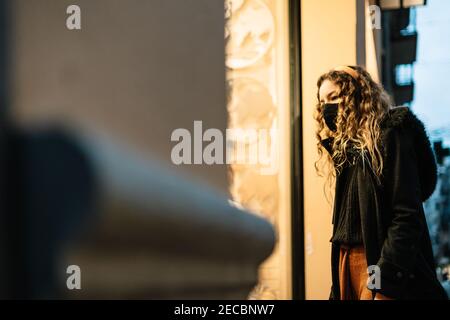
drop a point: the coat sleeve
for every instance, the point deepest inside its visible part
(402, 187)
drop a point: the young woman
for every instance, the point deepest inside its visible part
(384, 168)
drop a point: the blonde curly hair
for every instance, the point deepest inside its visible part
(363, 104)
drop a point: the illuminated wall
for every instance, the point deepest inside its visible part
(258, 78)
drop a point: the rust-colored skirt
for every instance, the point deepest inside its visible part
(353, 274)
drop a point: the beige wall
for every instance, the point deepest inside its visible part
(328, 40)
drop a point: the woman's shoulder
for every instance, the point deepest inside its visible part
(402, 123)
(396, 116)
(405, 135)
(402, 118)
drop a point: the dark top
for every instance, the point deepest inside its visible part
(348, 229)
(346, 215)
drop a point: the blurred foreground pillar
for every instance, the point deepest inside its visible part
(134, 229)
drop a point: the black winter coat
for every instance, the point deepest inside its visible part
(394, 228)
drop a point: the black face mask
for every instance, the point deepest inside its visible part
(330, 112)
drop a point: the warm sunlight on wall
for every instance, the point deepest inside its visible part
(258, 79)
(328, 39)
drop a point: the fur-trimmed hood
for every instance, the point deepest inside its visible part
(405, 118)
